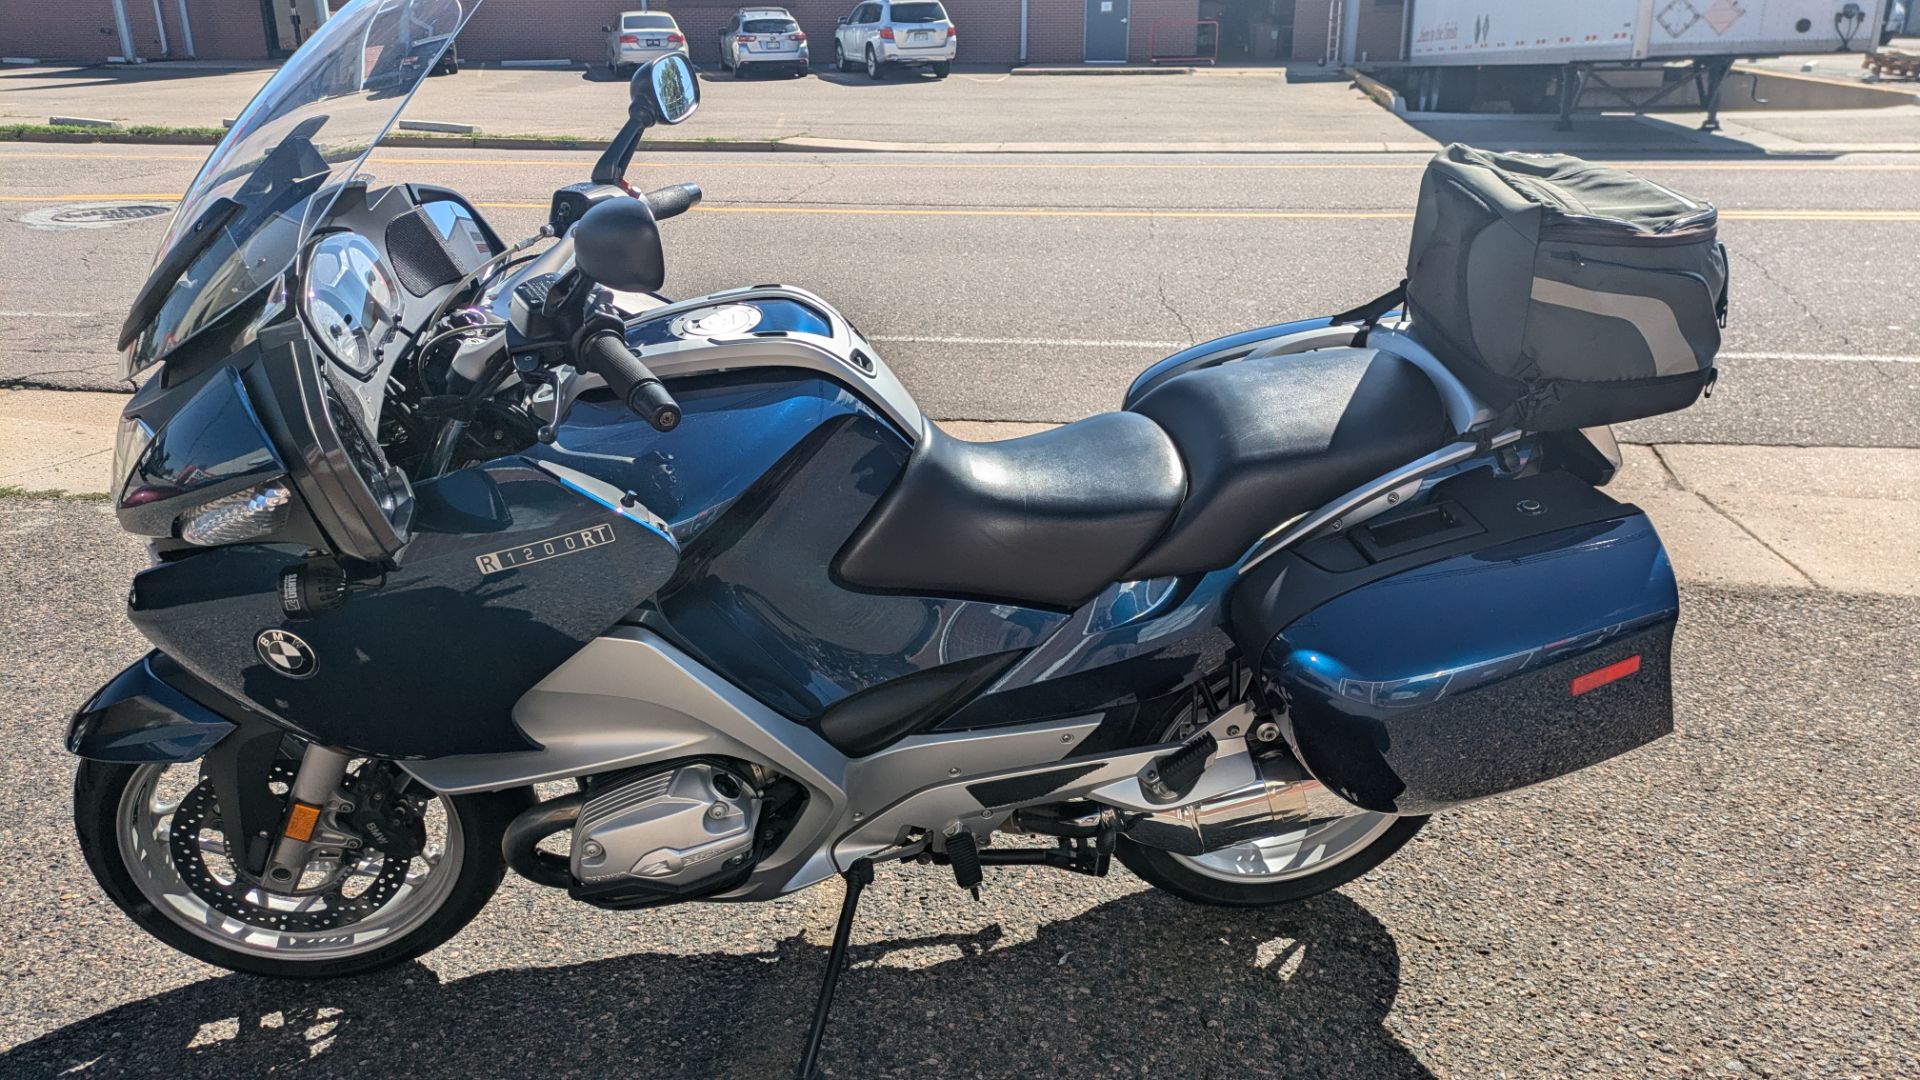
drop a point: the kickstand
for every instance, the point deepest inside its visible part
(858, 877)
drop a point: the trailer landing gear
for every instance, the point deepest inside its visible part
(1708, 77)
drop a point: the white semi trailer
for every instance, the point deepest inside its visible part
(1461, 50)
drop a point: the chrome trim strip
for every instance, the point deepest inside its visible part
(1246, 345)
(1465, 410)
(812, 352)
(1451, 454)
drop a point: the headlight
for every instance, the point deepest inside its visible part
(129, 443)
(239, 517)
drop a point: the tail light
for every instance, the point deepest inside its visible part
(952, 32)
(801, 36)
(886, 33)
(676, 39)
(1599, 677)
(743, 39)
(629, 39)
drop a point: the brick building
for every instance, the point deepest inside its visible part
(1055, 31)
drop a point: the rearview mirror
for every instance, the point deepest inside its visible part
(668, 87)
(843, 20)
(606, 29)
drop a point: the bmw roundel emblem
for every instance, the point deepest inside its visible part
(286, 653)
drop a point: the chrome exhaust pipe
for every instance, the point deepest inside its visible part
(1284, 798)
(520, 844)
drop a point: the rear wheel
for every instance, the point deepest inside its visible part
(942, 69)
(1278, 869)
(875, 69)
(739, 70)
(151, 835)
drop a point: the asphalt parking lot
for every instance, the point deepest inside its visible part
(1737, 900)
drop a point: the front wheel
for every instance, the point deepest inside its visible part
(1279, 869)
(151, 835)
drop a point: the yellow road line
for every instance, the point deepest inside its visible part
(168, 196)
(1050, 212)
(1408, 161)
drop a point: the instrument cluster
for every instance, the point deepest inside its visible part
(350, 301)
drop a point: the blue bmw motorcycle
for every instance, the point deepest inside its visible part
(437, 518)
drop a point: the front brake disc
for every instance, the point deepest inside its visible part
(250, 902)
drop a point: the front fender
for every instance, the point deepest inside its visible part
(140, 717)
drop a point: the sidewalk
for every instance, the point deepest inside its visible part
(1842, 520)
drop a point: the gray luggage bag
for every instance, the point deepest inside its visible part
(1565, 293)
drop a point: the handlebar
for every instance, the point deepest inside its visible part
(605, 353)
(672, 201)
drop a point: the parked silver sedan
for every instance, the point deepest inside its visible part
(764, 39)
(641, 36)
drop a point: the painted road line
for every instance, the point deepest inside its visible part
(1170, 347)
(1897, 216)
(1410, 161)
(157, 196)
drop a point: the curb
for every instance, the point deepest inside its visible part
(804, 144)
(1105, 71)
(1383, 95)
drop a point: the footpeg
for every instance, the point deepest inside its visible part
(963, 852)
(1169, 777)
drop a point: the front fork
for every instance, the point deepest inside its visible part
(315, 791)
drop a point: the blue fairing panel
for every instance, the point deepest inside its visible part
(509, 572)
(1486, 671)
(140, 717)
(731, 432)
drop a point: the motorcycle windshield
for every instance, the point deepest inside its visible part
(274, 177)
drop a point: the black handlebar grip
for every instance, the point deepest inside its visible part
(672, 201)
(606, 354)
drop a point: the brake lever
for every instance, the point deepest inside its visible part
(563, 382)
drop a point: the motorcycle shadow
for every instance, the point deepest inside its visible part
(1141, 986)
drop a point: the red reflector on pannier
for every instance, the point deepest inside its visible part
(1594, 680)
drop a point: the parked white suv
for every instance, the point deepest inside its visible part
(763, 38)
(885, 34)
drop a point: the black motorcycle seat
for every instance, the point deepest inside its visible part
(1264, 440)
(1048, 519)
(1184, 482)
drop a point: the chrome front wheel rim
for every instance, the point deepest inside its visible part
(143, 827)
(1291, 855)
